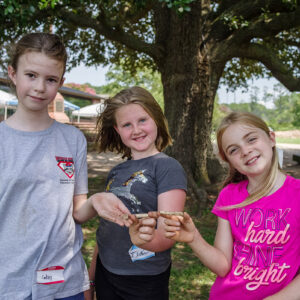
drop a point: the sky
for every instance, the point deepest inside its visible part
(96, 77)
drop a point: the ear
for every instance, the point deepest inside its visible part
(12, 74)
(272, 138)
(62, 82)
(116, 129)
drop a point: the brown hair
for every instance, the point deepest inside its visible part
(109, 139)
(234, 175)
(47, 43)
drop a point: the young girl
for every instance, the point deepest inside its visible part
(133, 124)
(43, 183)
(256, 253)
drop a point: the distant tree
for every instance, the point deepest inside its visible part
(119, 79)
(194, 44)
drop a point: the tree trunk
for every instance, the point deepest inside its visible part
(190, 80)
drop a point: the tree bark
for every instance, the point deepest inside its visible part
(190, 80)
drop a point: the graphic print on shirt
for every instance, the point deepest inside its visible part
(125, 189)
(66, 164)
(267, 233)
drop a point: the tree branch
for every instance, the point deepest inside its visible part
(269, 58)
(115, 34)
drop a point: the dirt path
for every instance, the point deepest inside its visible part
(100, 164)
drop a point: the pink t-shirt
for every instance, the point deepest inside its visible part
(266, 242)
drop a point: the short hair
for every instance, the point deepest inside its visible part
(107, 137)
(47, 43)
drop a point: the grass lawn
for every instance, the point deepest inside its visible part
(287, 140)
(189, 278)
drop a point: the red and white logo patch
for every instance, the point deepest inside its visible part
(66, 164)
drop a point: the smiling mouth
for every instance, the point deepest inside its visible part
(140, 138)
(36, 98)
(252, 160)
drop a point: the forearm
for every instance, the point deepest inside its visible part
(210, 256)
(290, 292)
(83, 209)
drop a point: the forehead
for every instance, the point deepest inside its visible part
(237, 131)
(130, 110)
(40, 63)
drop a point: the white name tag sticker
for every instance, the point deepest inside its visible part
(51, 275)
(137, 253)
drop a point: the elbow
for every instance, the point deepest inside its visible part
(77, 218)
(223, 270)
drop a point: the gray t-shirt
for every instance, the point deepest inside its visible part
(137, 183)
(40, 172)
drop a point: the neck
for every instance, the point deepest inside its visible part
(255, 184)
(30, 121)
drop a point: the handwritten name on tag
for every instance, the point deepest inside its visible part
(51, 275)
(137, 253)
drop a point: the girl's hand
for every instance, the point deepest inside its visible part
(111, 208)
(180, 229)
(142, 231)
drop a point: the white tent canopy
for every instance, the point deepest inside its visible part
(7, 100)
(89, 111)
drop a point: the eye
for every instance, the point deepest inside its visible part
(252, 139)
(52, 80)
(30, 75)
(126, 125)
(232, 151)
(143, 120)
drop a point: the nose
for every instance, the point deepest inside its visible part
(136, 129)
(40, 85)
(245, 150)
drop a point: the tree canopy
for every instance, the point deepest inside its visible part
(194, 44)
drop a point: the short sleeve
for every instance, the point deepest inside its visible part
(170, 175)
(81, 176)
(222, 199)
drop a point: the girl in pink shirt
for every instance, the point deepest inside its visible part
(256, 253)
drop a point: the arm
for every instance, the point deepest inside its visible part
(89, 294)
(290, 292)
(218, 257)
(106, 205)
(173, 200)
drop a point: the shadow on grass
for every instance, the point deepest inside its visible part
(189, 278)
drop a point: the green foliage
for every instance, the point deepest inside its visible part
(119, 79)
(283, 115)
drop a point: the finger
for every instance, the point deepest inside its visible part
(145, 237)
(153, 214)
(172, 222)
(172, 228)
(170, 235)
(148, 222)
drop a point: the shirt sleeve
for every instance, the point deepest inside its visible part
(221, 202)
(170, 175)
(81, 170)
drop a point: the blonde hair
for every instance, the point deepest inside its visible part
(235, 176)
(109, 140)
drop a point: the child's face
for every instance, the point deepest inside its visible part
(248, 149)
(37, 80)
(137, 130)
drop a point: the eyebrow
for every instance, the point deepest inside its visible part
(244, 137)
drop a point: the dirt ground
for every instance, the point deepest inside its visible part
(100, 164)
